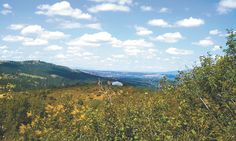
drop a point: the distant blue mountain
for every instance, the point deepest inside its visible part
(139, 79)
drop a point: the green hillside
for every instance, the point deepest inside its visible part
(38, 74)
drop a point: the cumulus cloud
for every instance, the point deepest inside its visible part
(7, 9)
(26, 41)
(53, 48)
(170, 37)
(205, 42)
(97, 37)
(34, 35)
(96, 26)
(34, 42)
(164, 10)
(121, 2)
(118, 56)
(176, 51)
(216, 47)
(32, 29)
(16, 26)
(50, 35)
(73, 24)
(159, 23)
(225, 6)
(92, 40)
(62, 8)
(3, 47)
(135, 47)
(60, 56)
(12, 38)
(42, 33)
(190, 22)
(69, 25)
(146, 8)
(130, 47)
(142, 31)
(214, 32)
(109, 7)
(136, 43)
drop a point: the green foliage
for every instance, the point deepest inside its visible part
(13, 112)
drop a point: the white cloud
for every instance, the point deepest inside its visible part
(136, 43)
(34, 42)
(118, 56)
(142, 31)
(190, 22)
(164, 10)
(214, 32)
(16, 26)
(151, 53)
(62, 8)
(6, 6)
(53, 48)
(11, 38)
(55, 35)
(69, 24)
(132, 51)
(3, 47)
(60, 56)
(205, 42)
(25, 40)
(216, 47)
(159, 22)
(170, 37)
(130, 47)
(32, 29)
(79, 43)
(34, 35)
(176, 51)
(92, 40)
(135, 47)
(42, 33)
(109, 7)
(97, 37)
(121, 2)
(96, 26)
(226, 5)
(146, 8)
(7, 9)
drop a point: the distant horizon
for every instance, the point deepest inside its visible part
(84, 69)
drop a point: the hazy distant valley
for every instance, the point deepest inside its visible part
(37, 74)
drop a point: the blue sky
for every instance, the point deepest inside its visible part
(121, 35)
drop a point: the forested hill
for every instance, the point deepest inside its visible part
(38, 74)
(33, 74)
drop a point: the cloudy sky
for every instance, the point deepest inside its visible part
(122, 35)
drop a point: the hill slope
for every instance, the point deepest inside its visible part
(38, 74)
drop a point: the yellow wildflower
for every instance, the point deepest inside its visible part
(29, 114)
(82, 117)
(75, 111)
(38, 132)
(23, 128)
